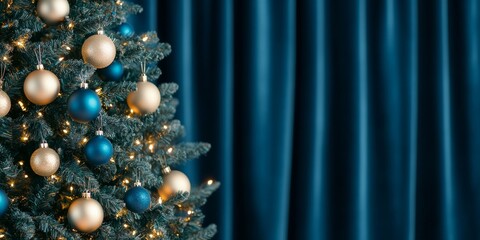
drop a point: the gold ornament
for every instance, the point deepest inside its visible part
(173, 182)
(5, 103)
(41, 86)
(99, 50)
(146, 98)
(85, 213)
(44, 161)
(52, 11)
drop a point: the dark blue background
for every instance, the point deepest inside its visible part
(330, 119)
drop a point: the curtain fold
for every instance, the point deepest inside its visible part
(350, 119)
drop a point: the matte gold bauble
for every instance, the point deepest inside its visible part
(52, 11)
(99, 50)
(174, 182)
(41, 86)
(44, 161)
(145, 99)
(5, 103)
(85, 214)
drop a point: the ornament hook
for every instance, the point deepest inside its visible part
(3, 69)
(143, 69)
(38, 55)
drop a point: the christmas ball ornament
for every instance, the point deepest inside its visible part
(137, 199)
(114, 72)
(126, 30)
(174, 182)
(84, 104)
(98, 50)
(4, 202)
(5, 103)
(52, 11)
(98, 150)
(146, 98)
(41, 86)
(85, 213)
(44, 161)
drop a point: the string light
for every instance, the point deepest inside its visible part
(160, 201)
(112, 160)
(5, 58)
(98, 91)
(119, 2)
(22, 106)
(170, 150)
(132, 156)
(150, 147)
(67, 123)
(12, 184)
(71, 188)
(137, 142)
(165, 127)
(21, 163)
(61, 59)
(190, 212)
(40, 114)
(26, 176)
(71, 25)
(85, 140)
(134, 232)
(65, 131)
(125, 225)
(145, 38)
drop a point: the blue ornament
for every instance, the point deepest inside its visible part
(114, 72)
(126, 30)
(4, 202)
(84, 105)
(137, 199)
(98, 150)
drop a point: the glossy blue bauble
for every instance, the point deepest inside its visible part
(126, 30)
(84, 105)
(98, 151)
(137, 199)
(4, 202)
(114, 72)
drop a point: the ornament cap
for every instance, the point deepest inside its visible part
(84, 85)
(100, 32)
(40, 67)
(137, 184)
(87, 194)
(99, 133)
(44, 145)
(143, 78)
(166, 170)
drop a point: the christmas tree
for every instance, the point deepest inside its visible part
(87, 138)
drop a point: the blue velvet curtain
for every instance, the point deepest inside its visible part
(341, 119)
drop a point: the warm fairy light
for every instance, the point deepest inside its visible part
(24, 126)
(5, 58)
(150, 147)
(119, 2)
(40, 114)
(170, 150)
(24, 138)
(137, 142)
(190, 212)
(145, 38)
(112, 160)
(150, 235)
(165, 127)
(61, 59)
(128, 116)
(65, 130)
(125, 225)
(126, 181)
(71, 25)
(160, 201)
(59, 94)
(78, 161)
(22, 106)
(210, 182)
(67, 47)
(67, 123)
(125, 43)
(132, 156)
(134, 232)
(12, 184)
(85, 140)
(131, 110)
(54, 177)
(71, 188)
(21, 163)
(26, 176)
(98, 91)
(20, 42)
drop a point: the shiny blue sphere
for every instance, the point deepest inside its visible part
(126, 30)
(4, 202)
(137, 199)
(98, 151)
(114, 72)
(84, 105)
